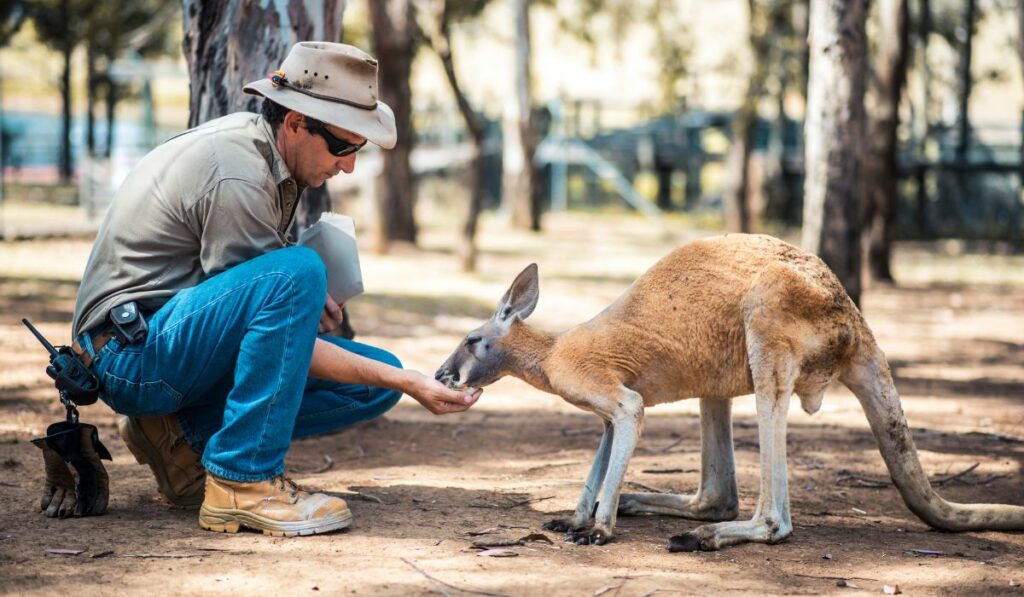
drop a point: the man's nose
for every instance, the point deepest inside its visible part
(347, 164)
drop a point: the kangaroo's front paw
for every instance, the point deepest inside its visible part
(592, 536)
(560, 525)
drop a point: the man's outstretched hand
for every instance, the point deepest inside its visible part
(435, 396)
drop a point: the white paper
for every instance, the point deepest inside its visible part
(334, 239)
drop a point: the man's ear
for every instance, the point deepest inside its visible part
(292, 121)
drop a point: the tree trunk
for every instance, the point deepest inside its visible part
(394, 43)
(440, 40)
(1020, 34)
(113, 95)
(921, 124)
(1017, 223)
(881, 162)
(964, 122)
(91, 83)
(524, 196)
(65, 166)
(738, 217)
(833, 135)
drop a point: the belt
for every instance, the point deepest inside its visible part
(99, 340)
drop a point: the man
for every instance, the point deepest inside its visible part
(232, 367)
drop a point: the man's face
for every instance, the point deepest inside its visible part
(307, 153)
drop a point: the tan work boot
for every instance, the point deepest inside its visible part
(159, 442)
(276, 506)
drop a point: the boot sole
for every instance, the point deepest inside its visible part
(229, 520)
(143, 451)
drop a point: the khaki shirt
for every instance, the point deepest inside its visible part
(205, 200)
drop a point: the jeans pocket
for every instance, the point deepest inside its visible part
(139, 399)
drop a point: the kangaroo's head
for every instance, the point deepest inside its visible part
(482, 356)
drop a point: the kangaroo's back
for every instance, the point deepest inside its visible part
(686, 321)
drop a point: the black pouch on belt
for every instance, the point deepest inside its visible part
(129, 322)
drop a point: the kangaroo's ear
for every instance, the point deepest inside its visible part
(521, 298)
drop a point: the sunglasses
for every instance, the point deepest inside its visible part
(338, 147)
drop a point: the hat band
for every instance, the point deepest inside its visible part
(338, 100)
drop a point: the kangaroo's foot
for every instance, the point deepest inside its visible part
(589, 536)
(563, 525)
(695, 507)
(712, 537)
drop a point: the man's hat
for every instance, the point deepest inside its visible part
(334, 83)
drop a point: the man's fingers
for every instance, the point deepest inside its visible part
(333, 309)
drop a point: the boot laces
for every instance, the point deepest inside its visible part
(286, 484)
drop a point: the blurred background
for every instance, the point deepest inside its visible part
(682, 109)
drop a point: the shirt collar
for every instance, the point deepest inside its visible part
(278, 168)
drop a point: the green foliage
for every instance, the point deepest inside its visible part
(12, 15)
(61, 24)
(143, 26)
(458, 11)
(108, 28)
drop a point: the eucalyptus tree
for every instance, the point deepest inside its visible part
(834, 138)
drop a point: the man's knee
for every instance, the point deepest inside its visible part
(302, 266)
(305, 265)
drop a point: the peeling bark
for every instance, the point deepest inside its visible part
(880, 166)
(834, 138)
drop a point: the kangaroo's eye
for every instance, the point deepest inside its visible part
(472, 341)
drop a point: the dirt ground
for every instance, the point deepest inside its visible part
(422, 487)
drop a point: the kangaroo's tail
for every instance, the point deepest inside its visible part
(868, 376)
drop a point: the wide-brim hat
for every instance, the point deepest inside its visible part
(334, 83)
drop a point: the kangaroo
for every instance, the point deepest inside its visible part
(714, 319)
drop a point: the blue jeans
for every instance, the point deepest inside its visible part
(231, 357)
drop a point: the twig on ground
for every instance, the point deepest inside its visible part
(366, 497)
(849, 479)
(948, 478)
(996, 436)
(668, 447)
(440, 584)
(541, 467)
(511, 505)
(647, 487)
(159, 555)
(836, 577)
(666, 471)
(328, 463)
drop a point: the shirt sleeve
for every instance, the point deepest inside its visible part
(237, 221)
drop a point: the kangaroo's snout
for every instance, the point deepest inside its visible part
(447, 377)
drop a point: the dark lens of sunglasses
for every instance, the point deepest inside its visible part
(338, 147)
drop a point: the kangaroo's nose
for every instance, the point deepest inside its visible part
(445, 376)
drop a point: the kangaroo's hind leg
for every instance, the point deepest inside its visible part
(774, 373)
(716, 498)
